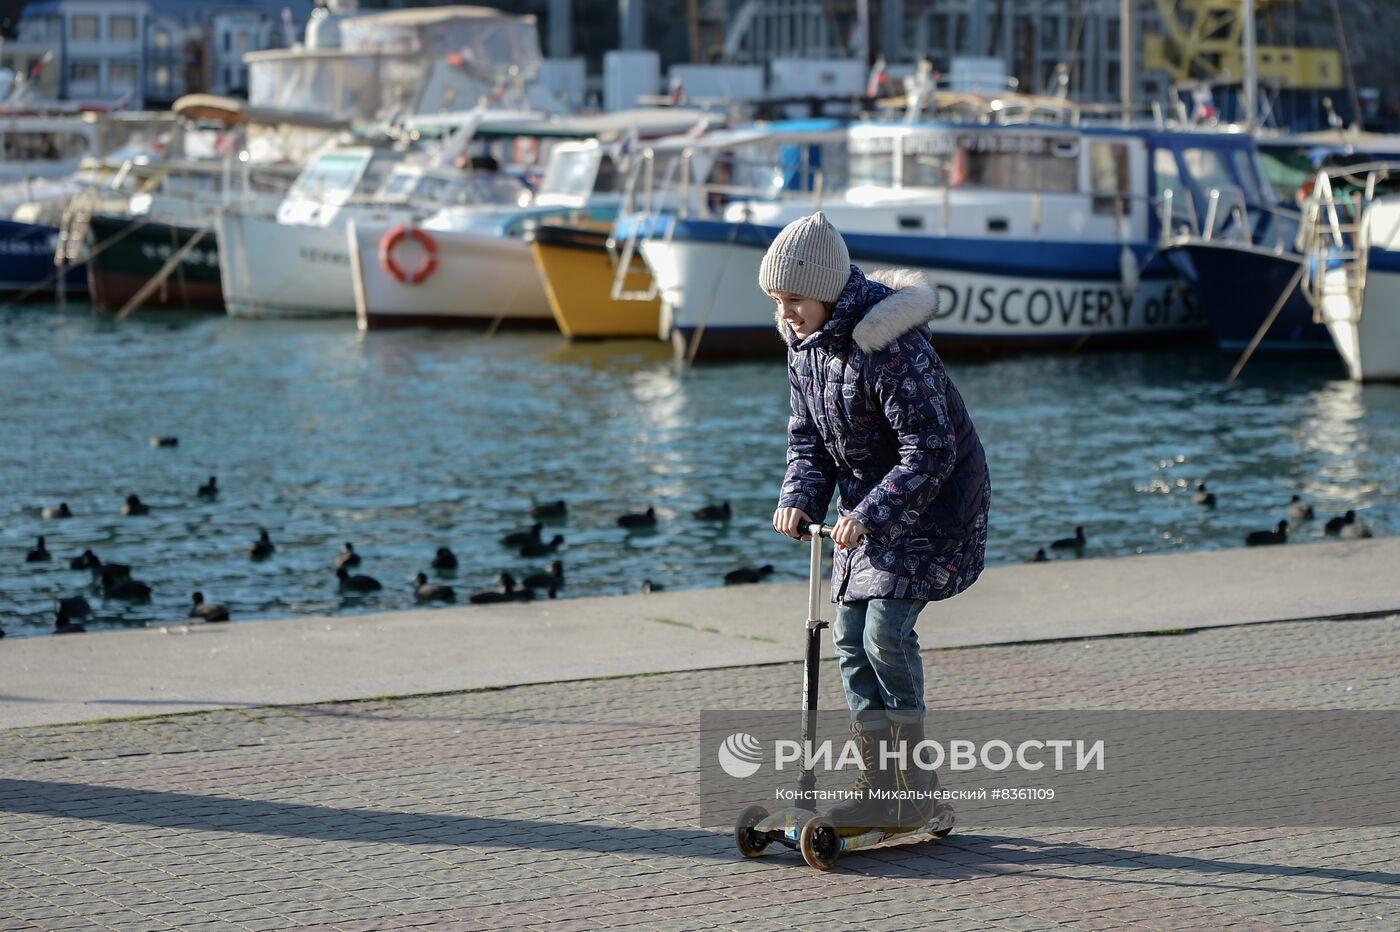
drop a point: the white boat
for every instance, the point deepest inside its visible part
(297, 264)
(458, 268)
(1353, 262)
(470, 265)
(1033, 235)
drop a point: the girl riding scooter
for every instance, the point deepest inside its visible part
(875, 416)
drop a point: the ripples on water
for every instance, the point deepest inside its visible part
(404, 441)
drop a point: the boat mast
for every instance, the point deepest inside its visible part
(1251, 70)
(1125, 58)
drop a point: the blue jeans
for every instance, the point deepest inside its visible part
(878, 655)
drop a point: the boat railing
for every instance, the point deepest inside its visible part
(1235, 213)
(1336, 242)
(641, 206)
(1168, 211)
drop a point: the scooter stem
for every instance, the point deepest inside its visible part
(811, 663)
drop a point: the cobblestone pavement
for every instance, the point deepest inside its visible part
(572, 806)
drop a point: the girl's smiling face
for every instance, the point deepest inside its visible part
(803, 314)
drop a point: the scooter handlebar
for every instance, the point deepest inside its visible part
(819, 530)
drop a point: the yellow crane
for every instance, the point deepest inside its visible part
(1203, 40)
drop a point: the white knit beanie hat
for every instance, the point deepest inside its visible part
(809, 258)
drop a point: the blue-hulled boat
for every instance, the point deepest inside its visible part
(1249, 274)
(26, 263)
(1034, 235)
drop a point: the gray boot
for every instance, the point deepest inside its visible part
(920, 784)
(862, 812)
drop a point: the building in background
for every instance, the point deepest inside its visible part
(145, 53)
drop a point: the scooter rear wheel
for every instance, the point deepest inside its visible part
(750, 843)
(820, 843)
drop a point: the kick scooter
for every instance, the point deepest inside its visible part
(800, 826)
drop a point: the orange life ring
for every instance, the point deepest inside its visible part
(390, 241)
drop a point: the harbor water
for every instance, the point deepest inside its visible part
(404, 441)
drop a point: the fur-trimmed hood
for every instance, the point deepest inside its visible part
(912, 306)
(876, 309)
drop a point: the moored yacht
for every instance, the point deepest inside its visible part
(1033, 235)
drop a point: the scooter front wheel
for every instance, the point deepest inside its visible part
(820, 843)
(750, 843)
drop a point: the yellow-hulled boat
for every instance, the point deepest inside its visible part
(578, 278)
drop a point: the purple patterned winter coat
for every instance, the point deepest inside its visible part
(875, 416)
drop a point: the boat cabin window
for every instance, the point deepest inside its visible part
(332, 176)
(1002, 161)
(1017, 163)
(1244, 172)
(571, 173)
(1208, 168)
(1108, 177)
(871, 162)
(1167, 177)
(42, 146)
(398, 186)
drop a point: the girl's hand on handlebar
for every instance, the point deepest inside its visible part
(790, 522)
(848, 532)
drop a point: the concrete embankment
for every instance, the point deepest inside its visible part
(183, 668)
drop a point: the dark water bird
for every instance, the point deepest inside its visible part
(555, 509)
(207, 611)
(1260, 538)
(347, 556)
(638, 519)
(1334, 525)
(1202, 497)
(445, 559)
(2, 632)
(1355, 531)
(209, 489)
(263, 547)
(134, 506)
(356, 583)
(1298, 509)
(64, 625)
(520, 538)
(60, 512)
(746, 574)
(165, 440)
(1071, 543)
(88, 560)
(542, 548)
(648, 587)
(107, 571)
(504, 593)
(554, 579)
(425, 591)
(714, 512)
(75, 606)
(1040, 557)
(125, 588)
(40, 553)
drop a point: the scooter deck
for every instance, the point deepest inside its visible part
(785, 826)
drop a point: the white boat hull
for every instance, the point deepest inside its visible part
(1369, 344)
(273, 270)
(711, 289)
(1368, 338)
(478, 279)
